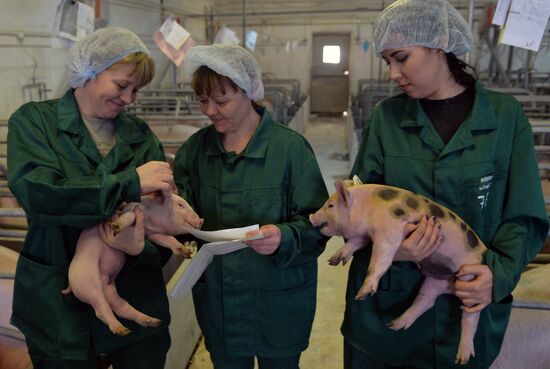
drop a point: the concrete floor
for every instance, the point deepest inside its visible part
(327, 136)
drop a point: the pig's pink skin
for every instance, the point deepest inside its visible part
(92, 275)
(359, 214)
(94, 267)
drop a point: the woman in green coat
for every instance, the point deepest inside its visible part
(72, 161)
(466, 147)
(246, 169)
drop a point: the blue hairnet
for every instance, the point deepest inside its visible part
(99, 50)
(231, 61)
(431, 23)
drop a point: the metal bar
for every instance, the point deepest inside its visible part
(12, 212)
(13, 233)
(244, 22)
(538, 305)
(471, 10)
(308, 12)
(12, 333)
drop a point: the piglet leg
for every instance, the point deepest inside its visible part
(124, 310)
(431, 288)
(468, 330)
(171, 243)
(345, 252)
(383, 251)
(126, 219)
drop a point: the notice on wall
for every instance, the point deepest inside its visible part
(526, 23)
(73, 21)
(173, 40)
(501, 12)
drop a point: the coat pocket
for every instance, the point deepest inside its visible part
(38, 303)
(285, 318)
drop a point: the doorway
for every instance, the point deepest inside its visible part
(329, 88)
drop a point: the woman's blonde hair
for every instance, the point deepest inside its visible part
(145, 66)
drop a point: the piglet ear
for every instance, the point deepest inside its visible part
(342, 190)
(160, 196)
(166, 196)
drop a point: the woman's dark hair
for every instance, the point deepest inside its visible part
(205, 80)
(463, 73)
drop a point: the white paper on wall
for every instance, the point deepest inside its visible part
(73, 21)
(250, 40)
(174, 34)
(526, 23)
(501, 11)
(226, 36)
(173, 40)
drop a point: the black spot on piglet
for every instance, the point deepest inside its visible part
(437, 211)
(473, 241)
(387, 194)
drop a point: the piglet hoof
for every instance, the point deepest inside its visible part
(189, 248)
(363, 292)
(369, 287)
(119, 330)
(334, 260)
(399, 323)
(115, 228)
(463, 354)
(152, 322)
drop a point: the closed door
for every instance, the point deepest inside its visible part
(330, 73)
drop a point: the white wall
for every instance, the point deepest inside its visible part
(33, 21)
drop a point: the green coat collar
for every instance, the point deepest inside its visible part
(482, 117)
(256, 148)
(70, 121)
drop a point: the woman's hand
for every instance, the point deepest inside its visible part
(131, 239)
(474, 287)
(421, 240)
(155, 176)
(269, 243)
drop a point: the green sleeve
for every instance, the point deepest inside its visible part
(181, 172)
(300, 242)
(525, 223)
(369, 163)
(47, 194)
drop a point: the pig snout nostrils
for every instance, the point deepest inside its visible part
(315, 223)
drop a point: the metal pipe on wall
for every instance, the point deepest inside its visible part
(471, 10)
(244, 21)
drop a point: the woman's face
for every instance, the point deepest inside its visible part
(421, 72)
(228, 110)
(106, 96)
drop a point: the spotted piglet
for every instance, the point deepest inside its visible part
(95, 265)
(380, 213)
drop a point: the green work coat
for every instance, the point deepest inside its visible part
(488, 174)
(64, 186)
(246, 303)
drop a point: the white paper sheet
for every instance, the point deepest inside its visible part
(526, 23)
(501, 11)
(226, 241)
(73, 20)
(173, 33)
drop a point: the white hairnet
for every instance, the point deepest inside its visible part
(231, 61)
(431, 23)
(99, 50)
